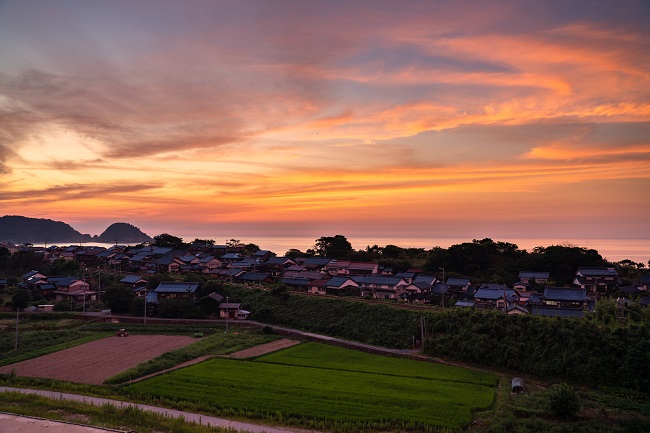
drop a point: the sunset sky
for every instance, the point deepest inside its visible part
(313, 118)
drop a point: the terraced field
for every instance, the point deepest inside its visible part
(332, 385)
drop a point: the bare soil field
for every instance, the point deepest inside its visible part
(94, 362)
(265, 348)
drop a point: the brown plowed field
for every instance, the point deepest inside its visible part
(96, 361)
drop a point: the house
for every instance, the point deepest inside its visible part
(342, 286)
(412, 291)
(32, 276)
(232, 310)
(316, 263)
(516, 309)
(169, 264)
(263, 255)
(534, 279)
(458, 286)
(464, 303)
(381, 287)
(299, 284)
(429, 279)
(175, 290)
(318, 287)
(278, 265)
(596, 279)
(255, 278)
(90, 256)
(136, 283)
(210, 303)
(495, 296)
(566, 298)
(644, 282)
(363, 268)
(338, 267)
(208, 263)
(227, 274)
(526, 277)
(409, 277)
(231, 257)
(72, 288)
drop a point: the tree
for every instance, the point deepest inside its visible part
(64, 267)
(167, 240)
(21, 299)
(562, 401)
(251, 249)
(293, 253)
(198, 241)
(332, 246)
(118, 298)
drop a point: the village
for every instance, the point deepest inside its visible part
(322, 276)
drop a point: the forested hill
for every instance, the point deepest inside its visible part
(20, 229)
(123, 232)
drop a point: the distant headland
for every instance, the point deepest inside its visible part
(20, 229)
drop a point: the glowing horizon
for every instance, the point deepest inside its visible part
(307, 117)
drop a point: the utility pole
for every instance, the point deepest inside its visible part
(16, 342)
(227, 314)
(144, 316)
(443, 287)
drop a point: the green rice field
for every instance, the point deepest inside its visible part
(332, 385)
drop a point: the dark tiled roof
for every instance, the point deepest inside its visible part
(457, 281)
(253, 276)
(598, 272)
(339, 281)
(173, 287)
(535, 275)
(295, 281)
(565, 294)
(131, 279)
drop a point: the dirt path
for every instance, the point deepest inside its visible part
(265, 348)
(186, 416)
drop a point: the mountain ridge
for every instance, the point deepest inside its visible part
(20, 229)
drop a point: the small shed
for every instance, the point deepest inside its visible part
(517, 385)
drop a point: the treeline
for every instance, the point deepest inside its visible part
(482, 260)
(577, 350)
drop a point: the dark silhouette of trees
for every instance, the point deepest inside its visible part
(332, 246)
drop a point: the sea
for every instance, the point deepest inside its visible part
(614, 250)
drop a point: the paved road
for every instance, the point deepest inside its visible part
(187, 416)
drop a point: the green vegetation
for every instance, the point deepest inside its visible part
(40, 334)
(107, 416)
(216, 344)
(324, 395)
(336, 358)
(557, 348)
(562, 401)
(577, 350)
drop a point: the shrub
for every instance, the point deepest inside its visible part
(562, 401)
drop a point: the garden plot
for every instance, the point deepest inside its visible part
(94, 362)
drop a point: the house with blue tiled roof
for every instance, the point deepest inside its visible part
(596, 279)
